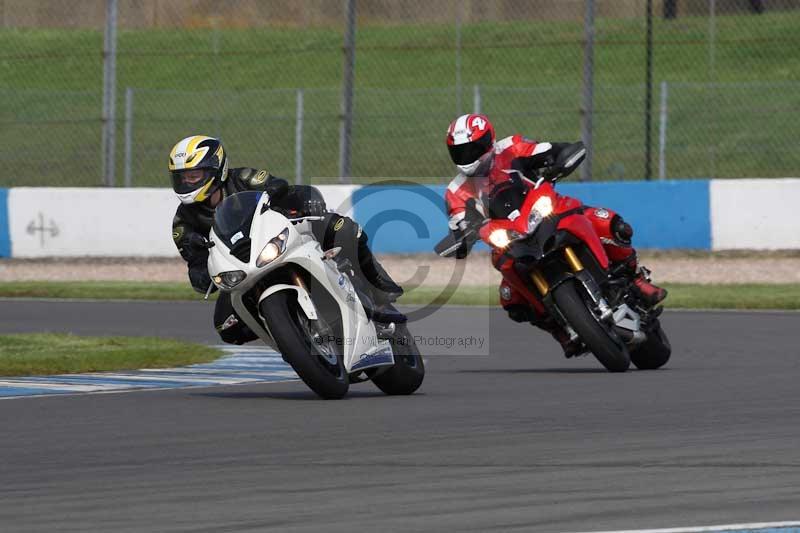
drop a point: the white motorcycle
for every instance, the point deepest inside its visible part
(305, 302)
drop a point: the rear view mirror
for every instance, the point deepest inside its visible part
(569, 159)
(448, 246)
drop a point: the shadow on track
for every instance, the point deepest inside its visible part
(536, 371)
(551, 371)
(303, 395)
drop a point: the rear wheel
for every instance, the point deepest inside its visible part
(654, 352)
(307, 345)
(611, 353)
(408, 371)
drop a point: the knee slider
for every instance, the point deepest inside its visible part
(519, 313)
(622, 231)
(230, 336)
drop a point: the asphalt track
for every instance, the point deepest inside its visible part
(517, 440)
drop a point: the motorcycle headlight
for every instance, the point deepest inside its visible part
(501, 238)
(273, 249)
(542, 208)
(230, 279)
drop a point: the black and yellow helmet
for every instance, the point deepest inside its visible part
(198, 166)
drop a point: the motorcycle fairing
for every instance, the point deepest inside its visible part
(302, 252)
(567, 216)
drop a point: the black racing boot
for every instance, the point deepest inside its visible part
(571, 348)
(384, 289)
(524, 313)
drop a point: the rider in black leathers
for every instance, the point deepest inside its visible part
(201, 179)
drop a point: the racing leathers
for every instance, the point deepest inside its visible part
(517, 154)
(192, 225)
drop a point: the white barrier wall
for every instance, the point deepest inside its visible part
(66, 222)
(42, 222)
(91, 222)
(755, 214)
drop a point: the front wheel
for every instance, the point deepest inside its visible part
(612, 354)
(408, 371)
(654, 352)
(306, 345)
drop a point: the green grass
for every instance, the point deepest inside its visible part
(681, 296)
(50, 353)
(50, 83)
(103, 290)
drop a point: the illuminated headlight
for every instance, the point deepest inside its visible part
(230, 279)
(501, 238)
(273, 249)
(542, 208)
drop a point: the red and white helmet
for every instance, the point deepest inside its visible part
(470, 141)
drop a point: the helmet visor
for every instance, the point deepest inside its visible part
(186, 181)
(464, 154)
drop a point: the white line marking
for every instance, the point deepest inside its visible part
(726, 527)
(53, 385)
(141, 389)
(251, 365)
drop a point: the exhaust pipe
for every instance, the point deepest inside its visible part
(630, 337)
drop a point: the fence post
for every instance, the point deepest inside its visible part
(476, 98)
(109, 93)
(712, 72)
(298, 139)
(587, 109)
(662, 132)
(215, 48)
(648, 94)
(128, 136)
(346, 127)
(458, 57)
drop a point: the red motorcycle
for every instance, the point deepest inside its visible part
(564, 273)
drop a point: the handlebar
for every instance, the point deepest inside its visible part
(302, 219)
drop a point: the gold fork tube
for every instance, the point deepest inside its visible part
(572, 258)
(540, 282)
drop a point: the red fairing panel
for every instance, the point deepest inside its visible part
(520, 292)
(580, 227)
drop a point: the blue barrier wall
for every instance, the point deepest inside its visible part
(5, 236)
(664, 214)
(401, 219)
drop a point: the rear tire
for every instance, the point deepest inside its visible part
(408, 371)
(282, 314)
(611, 354)
(654, 352)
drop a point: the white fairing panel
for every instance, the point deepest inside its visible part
(360, 347)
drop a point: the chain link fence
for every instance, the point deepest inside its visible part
(96, 92)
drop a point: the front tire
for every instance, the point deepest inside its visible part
(319, 367)
(611, 354)
(408, 371)
(654, 352)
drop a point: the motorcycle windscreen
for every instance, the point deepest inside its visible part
(234, 216)
(506, 199)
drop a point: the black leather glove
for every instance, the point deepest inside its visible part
(199, 278)
(276, 188)
(195, 241)
(194, 248)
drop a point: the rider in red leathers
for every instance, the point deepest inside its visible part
(484, 164)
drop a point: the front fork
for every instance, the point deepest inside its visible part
(588, 282)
